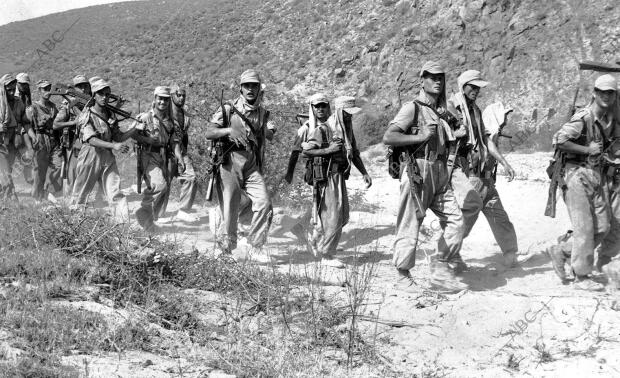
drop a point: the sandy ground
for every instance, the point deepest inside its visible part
(517, 322)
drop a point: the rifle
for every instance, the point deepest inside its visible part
(216, 154)
(139, 169)
(555, 170)
(590, 65)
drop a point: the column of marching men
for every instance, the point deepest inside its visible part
(443, 156)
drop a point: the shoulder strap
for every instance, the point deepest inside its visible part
(244, 118)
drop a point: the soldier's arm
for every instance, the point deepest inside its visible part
(62, 119)
(571, 131)
(215, 127)
(397, 132)
(271, 130)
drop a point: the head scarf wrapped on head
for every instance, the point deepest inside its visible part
(472, 77)
(494, 117)
(7, 119)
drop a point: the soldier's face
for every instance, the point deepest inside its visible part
(161, 103)
(433, 83)
(471, 92)
(604, 99)
(45, 92)
(10, 89)
(321, 110)
(102, 96)
(83, 88)
(250, 91)
(23, 87)
(178, 98)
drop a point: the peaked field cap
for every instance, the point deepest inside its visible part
(318, 98)
(472, 77)
(162, 91)
(6, 79)
(249, 76)
(98, 84)
(347, 103)
(432, 67)
(93, 79)
(80, 79)
(43, 83)
(23, 77)
(606, 83)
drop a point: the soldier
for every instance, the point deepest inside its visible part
(472, 177)
(66, 121)
(158, 141)
(100, 136)
(333, 142)
(186, 176)
(46, 143)
(244, 136)
(12, 116)
(592, 184)
(24, 147)
(424, 181)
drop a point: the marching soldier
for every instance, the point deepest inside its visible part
(331, 145)
(24, 148)
(100, 136)
(12, 116)
(46, 143)
(186, 173)
(472, 175)
(424, 180)
(592, 193)
(243, 127)
(66, 121)
(160, 141)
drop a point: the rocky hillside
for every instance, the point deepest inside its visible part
(528, 49)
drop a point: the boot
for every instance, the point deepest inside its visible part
(557, 260)
(443, 277)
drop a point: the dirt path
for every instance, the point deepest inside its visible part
(515, 322)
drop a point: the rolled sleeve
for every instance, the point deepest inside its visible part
(88, 131)
(218, 118)
(568, 132)
(302, 135)
(63, 115)
(404, 118)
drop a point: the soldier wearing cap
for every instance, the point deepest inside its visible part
(46, 143)
(12, 119)
(418, 128)
(66, 121)
(592, 192)
(100, 136)
(22, 142)
(186, 174)
(160, 141)
(472, 175)
(332, 139)
(244, 134)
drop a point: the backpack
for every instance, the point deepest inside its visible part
(394, 153)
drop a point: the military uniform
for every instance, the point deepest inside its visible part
(98, 164)
(472, 179)
(22, 148)
(592, 191)
(13, 118)
(48, 154)
(187, 177)
(155, 196)
(241, 172)
(435, 194)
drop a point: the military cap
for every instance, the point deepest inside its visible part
(23, 77)
(472, 77)
(318, 98)
(432, 67)
(7, 79)
(249, 76)
(98, 84)
(43, 83)
(606, 83)
(162, 91)
(80, 79)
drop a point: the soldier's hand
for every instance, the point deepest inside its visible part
(334, 146)
(510, 172)
(238, 137)
(367, 180)
(595, 148)
(120, 147)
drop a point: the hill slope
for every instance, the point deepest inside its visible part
(528, 49)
